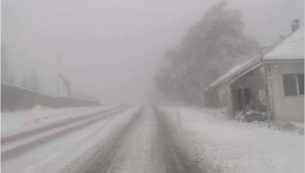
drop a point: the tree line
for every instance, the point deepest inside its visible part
(210, 48)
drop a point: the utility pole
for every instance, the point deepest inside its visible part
(266, 83)
(58, 73)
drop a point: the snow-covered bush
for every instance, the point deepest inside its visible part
(255, 111)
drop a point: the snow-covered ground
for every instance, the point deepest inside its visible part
(66, 155)
(53, 155)
(13, 122)
(137, 140)
(232, 146)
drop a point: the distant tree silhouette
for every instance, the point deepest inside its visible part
(209, 48)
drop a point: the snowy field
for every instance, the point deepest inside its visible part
(168, 139)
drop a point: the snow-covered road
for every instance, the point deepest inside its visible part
(142, 139)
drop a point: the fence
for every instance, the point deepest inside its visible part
(16, 98)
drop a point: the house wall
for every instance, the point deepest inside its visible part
(253, 83)
(223, 96)
(285, 108)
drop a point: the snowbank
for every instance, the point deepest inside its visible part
(233, 146)
(293, 127)
(12, 122)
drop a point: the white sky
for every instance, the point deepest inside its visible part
(110, 49)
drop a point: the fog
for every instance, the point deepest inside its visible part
(111, 49)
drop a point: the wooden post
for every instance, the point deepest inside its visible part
(235, 99)
(267, 91)
(232, 94)
(243, 94)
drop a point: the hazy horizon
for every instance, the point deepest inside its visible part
(111, 49)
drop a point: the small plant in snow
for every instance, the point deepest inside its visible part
(255, 111)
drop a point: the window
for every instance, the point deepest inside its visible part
(293, 84)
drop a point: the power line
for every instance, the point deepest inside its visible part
(277, 13)
(293, 41)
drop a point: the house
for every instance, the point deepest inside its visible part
(275, 77)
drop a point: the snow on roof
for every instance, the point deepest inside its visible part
(291, 48)
(236, 70)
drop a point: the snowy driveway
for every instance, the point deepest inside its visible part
(143, 139)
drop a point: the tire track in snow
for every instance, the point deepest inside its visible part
(25, 134)
(14, 152)
(175, 157)
(102, 159)
(74, 154)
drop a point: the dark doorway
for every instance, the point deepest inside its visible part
(239, 98)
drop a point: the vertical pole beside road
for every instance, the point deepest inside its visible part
(58, 65)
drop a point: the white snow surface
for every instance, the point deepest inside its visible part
(237, 147)
(237, 70)
(13, 122)
(215, 143)
(53, 156)
(290, 49)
